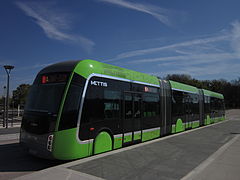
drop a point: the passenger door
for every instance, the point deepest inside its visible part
(188, 111)
(132, 123)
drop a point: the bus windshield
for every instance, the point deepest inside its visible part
(46, 98)
(46, 92)
(43, 102)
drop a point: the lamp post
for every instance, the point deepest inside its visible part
(8, 69)
(4, 108)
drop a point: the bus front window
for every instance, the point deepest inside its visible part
(43, 102)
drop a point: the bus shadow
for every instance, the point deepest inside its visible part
(14, 158)
(235, 133)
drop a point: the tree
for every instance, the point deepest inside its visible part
(236, 82)
(183, 78)
(20, 94)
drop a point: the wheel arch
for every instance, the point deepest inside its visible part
(101, 141)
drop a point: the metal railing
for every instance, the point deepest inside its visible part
(14, 116)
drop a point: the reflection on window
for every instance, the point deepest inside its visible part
(71, 106)
(111, 104)
(177, 103)
(151, 106)
(151, 110)
(45, 98)
(128, 106)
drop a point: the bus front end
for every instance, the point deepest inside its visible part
(36, 134)
(42, 109)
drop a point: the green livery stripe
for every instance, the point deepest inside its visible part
(209, 120)
(183, 87)
(127, 137)
(87, 67)
(66, 146)
(150, 134)
(117, 141)
(195, 124)
(188, 125)
(103, 143)
(137, 135)
(217, 119)
(173, 128)
(180, 126)
(212, 94)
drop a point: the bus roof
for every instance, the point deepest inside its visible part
(88, 67)
(183, 87)
(66, 66)
(212, 94)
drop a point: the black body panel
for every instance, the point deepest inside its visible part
(36, 144)
(66, 66)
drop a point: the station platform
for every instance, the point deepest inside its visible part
(209, 152)
(16, 123)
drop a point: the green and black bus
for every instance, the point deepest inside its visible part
(77, 109)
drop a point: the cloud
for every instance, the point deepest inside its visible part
(53, 23)
(191, 58)
(236, 37)
(160, 14)
(215, 55)
(205, 71)
(170, 47)
(197, 51)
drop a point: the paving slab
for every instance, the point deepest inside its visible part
(210, 152)
(171, 158)
(58, 173)
(223, 164)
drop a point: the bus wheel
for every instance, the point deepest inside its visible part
(102, 143)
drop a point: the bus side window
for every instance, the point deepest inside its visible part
(93, 107)
(151, 110)
(69, 115)
(112, 100)
(103, 102)
(178, 104)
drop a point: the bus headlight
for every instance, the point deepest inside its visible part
(49, 142)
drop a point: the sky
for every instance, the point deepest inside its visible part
(158, 37)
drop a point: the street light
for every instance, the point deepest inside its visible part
(4, 107)
(8, 69)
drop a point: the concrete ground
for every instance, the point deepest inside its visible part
(211, 152)
(14, 159)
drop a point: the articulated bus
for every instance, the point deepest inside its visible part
(76, 109)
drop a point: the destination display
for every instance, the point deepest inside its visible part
(54, 78)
